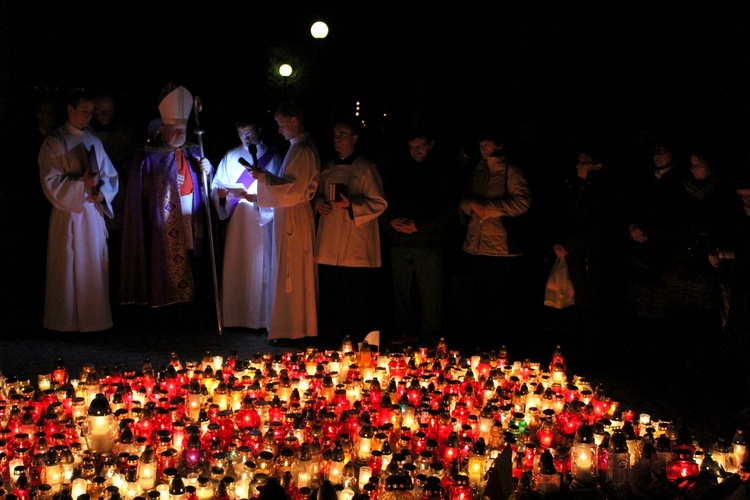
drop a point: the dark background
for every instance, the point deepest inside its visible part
(563, 67)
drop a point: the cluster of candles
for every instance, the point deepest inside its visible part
(424, 423)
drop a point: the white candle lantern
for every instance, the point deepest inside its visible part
(583, 457)
(365, 473)
(100, 425)
(78, 487)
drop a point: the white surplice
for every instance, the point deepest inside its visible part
(293, 269)
(351, 237)
(245, 290)
(77, 283)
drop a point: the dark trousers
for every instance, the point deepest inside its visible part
(418, 290)
(349, 302)
(495, 295)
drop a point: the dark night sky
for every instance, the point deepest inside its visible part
(562, 63)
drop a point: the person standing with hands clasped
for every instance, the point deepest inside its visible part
(418, 212)
(349, 200)
(80, 181)
(497, 190)
(163, 226)
(247, 250)
(294, 302)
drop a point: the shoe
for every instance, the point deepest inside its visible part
(403, 339)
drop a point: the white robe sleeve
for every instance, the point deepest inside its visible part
(298, 182)
(371, 204)
(62, 189)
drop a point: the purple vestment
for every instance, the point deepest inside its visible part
(156, 260)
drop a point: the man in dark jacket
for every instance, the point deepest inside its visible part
(417, 218)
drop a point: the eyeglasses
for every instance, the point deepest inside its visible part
(248, 135)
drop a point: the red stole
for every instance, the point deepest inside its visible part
(183, 169)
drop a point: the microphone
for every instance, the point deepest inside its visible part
(245, 163)
(253, 148)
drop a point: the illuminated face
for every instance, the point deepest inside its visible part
(344, 140)
(174, 135)
(662, 157)
(289, 127)
(489, 148)
(104, 110)
(249, 134)
(80, 116)
(699, 168)
(419, 148)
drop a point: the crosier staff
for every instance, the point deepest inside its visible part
(197, 108)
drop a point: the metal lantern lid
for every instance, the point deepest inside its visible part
(99, 406)
(585, 434)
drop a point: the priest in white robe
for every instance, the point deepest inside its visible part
(293, 271)
(350, 200)
(80, 182)
(247, 248)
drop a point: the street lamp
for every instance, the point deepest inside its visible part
(319, 29)
(285, 70)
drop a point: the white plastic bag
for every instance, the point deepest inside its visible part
(559, 292)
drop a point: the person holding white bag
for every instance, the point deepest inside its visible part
(581, 220)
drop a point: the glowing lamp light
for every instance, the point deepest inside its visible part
(583, 454)
(682, 465)
(365, 443)
(365, 473)
(192, 453)
(285, 70)
(319, 30)
(147, 469)
(545, 435)
(100, 426)
(477, 460)
(460, 489)
(739, 446)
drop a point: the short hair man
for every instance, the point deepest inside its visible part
(80, 182)
(247, 250)
(294, 312)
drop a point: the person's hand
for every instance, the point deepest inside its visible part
(90, 179)
(252, 198)
(403, 225)
(559, 250)
(258, 174)
(325, 208)
(206, 167)
(222, 192)
(714, 260)
(344, 203)
(637, 234)
(478, 209)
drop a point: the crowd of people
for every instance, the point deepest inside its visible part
(416, 235)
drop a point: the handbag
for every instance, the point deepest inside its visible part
(559, 292)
